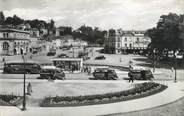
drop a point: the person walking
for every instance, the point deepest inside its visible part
(89, 70)
(131, 79)
(172, 73)
(29, 89)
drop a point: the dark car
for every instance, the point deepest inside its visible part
(104, 74)
(100, 57)
(141, 74)
(52, 73)
(18, 68)
(62, 56)
(35, 52)
(51, 53)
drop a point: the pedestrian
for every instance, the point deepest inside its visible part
(120, 60)
(131, 79)
(89, 70)
(172, 72)
(29, 89)
(31, 56)
(3, 60)
(143, 74)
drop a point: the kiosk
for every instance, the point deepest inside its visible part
(73, 65)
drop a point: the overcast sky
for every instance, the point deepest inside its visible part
(125, 14)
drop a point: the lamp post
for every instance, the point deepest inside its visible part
(154, 60)
(175, 77)
(24, 87)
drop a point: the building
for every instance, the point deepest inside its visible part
(119, 41)
(43, 31)
(62, 30)
(34, 32)
(113, 41)
(13, 42)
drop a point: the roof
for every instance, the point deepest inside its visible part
(14, 30)
(13, 39)
(49, 67)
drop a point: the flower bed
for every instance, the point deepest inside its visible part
(141, 90)
(10, 100)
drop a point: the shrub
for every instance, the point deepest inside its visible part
(140, 90)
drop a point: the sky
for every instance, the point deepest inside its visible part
(106, 14)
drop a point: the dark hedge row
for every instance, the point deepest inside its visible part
(141, 90)
(9, 99)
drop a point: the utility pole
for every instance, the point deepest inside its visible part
(154, 60)
(175, 77)
(24, 87)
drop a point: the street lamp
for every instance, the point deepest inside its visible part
(175, 77)
(154, 60)
(24, 87)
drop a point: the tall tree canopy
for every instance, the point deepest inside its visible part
(92, 35)
(166, 35)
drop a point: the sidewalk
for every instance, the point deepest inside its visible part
(171, 94)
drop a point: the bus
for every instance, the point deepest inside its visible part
(18, 68)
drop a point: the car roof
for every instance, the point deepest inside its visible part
(49, 67)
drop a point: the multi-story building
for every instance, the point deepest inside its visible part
(14, 41)
(119, 41)
(113, 41)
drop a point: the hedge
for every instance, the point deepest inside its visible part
(10, 100)
(142, 90)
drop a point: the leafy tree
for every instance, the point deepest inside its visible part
(89, 34)
(167, 33)
(17, 20)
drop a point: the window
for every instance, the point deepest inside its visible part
(137, 39)
(125, 39)
(14, 43)
(5, 35)
(130, 45)
(5, 46)
(125, 45)
(118, 45)
(118, 39)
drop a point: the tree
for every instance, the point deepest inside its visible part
(2, 18)
(167, 33)
(17, 20)
(91, 35)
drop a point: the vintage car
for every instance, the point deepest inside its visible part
(101, 57)
(62, 56)
(51, 72)
(140, 74)
(104, 74)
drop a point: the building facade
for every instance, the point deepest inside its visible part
(119, 41)
(13, 42)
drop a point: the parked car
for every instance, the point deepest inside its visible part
(51, 53)
(100, 57)
(104, 74)
(18, 68)
(51, 72)
(62, 56)
(35, 52)
(179, 56)
(141, 74)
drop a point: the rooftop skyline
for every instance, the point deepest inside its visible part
(106, 14)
